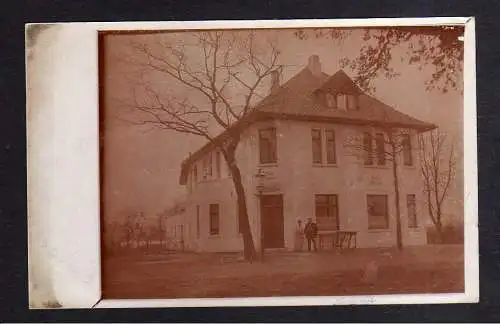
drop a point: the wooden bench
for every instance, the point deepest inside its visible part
(337, 240)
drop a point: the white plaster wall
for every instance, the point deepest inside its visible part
(299, 180)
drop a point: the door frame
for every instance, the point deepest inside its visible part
(262, 227)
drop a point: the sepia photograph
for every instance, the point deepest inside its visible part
(282, 162)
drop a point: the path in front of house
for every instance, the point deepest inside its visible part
(416, 269)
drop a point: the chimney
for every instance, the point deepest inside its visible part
(275, 80)
(314, 65)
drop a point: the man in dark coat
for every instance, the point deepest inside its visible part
(310, 232)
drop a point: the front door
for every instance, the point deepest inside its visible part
(271, 216)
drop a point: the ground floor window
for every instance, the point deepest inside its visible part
(327, 212)
(378, 215)
(412, 211)
(214, 219)
(198, 221)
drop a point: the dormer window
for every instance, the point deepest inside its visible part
(347, 101)
(352, 102)
(342, 101)
(330, 100)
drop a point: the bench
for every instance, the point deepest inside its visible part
(337, 240)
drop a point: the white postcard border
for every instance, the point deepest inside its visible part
(63, 167)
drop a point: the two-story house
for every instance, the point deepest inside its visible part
(295, 164)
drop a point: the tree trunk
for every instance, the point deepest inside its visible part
(399, 237)
(439, 232)
(248, 244)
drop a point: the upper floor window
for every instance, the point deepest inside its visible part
(210, 164)
(316, 145)
(368, 148)
(207, 166)
(380, 148)
(374, 154)
(331, 154)
(329, 146)
(268, 145)
(407, 150)
(217, 164)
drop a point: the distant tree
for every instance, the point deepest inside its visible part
(440, 47)
(383, 149)
(224, 71)
(437, 166)
(128, 227)
(161, 230)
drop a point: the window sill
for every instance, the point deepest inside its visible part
(211, 180)
(375, 166)
(214, 236)
(410, 167)
(379, 230)
(324, 165)
(265, 165)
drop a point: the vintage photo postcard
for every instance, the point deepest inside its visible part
(252, 163)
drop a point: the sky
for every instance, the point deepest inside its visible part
(142, 164)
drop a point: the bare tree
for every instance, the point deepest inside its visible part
(128, 228)
(438, 47)
(161, 230)
(438, 164)
(215, 79)
(382, 147)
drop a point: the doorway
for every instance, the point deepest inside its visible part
(271, 219)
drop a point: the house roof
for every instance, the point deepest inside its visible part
(297, 100)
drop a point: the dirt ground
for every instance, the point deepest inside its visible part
(424, 269)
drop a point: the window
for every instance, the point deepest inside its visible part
(407, 150)
(330, 100)
(205, 168)
(267, 145)
(217, 164)
(342, 101)
(195, 174)
(214, 219)
(327, 212)
(316, 145)
(192, 181)
(331, 155)
(198, 221)
(378, 217)
(352, 102)
(380, 147)
(412, 211)
(209, 158)
(368, 148)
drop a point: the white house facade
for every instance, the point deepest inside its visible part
(319, 151)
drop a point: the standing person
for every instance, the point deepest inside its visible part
(299, 236)
(311, 231)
